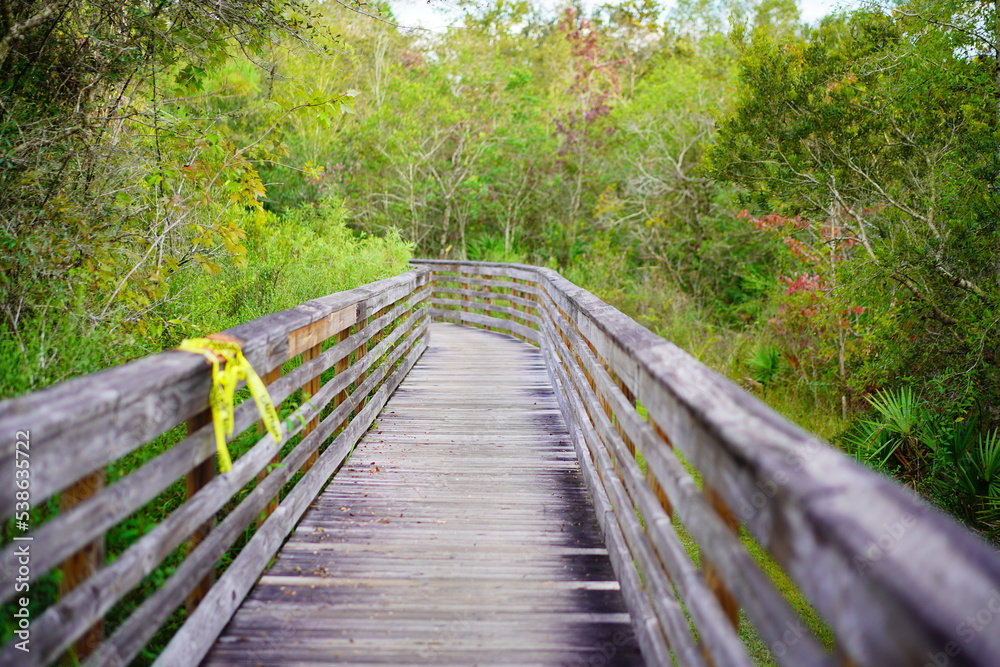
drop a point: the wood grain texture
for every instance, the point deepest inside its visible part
(654, 638)
(459, 532)
(84, 562)
(482, 282)
(89, 601)
(512, 313)
(478, 294)
(57, 539)
(895, 579)
(628, 497)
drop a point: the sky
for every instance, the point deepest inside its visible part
(424, 14)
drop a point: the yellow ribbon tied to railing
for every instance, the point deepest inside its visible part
(229, 366)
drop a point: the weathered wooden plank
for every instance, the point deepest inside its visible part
(720, 640)
(266, 339)
(753, 457)
(322, 329)
(507, 310)
(654, 638)
(55, 540)
(517, 271)
(438, 280)
(81, 425)
(774, 477)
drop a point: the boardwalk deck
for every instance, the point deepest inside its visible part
(459, 532)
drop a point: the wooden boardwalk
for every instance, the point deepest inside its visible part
(459, 532)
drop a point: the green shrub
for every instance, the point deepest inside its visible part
(954, 462)
(765, 364)
(302, 254)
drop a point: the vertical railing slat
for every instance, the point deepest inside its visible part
(85, 562)
(199, 476)
(310, 389)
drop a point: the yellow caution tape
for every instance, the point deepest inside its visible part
(224, 350)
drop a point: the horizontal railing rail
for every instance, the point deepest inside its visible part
(330, 366)
(673, 453)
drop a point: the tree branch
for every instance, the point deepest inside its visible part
(939, 314)
(16, 31)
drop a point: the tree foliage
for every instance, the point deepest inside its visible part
(131, 142)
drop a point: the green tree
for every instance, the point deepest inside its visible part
(830, 128)
(124, 160)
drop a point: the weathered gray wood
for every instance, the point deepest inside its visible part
(137, 630)
(764, 604)
(717, 636)
(804, 502)
(52, 632)
(195, 638)
(518, 271)
(79, 426)
(896, 580)
(808, 504)
(483, 282)
(655, 639)
(484, 538)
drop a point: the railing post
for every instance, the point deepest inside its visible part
(712, 577)
(359, 354)
(80, 566)
(631, 399)
(661, 495)
(339, 368)
(310, 389)
(464, 283)
(269, 378)
(536, 312)
(197, 478)
(489, 302)
(517, 294)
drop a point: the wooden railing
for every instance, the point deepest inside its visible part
(693, 481)
(673, 453)
(330, 364)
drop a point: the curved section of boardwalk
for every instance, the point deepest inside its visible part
(459, 533)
